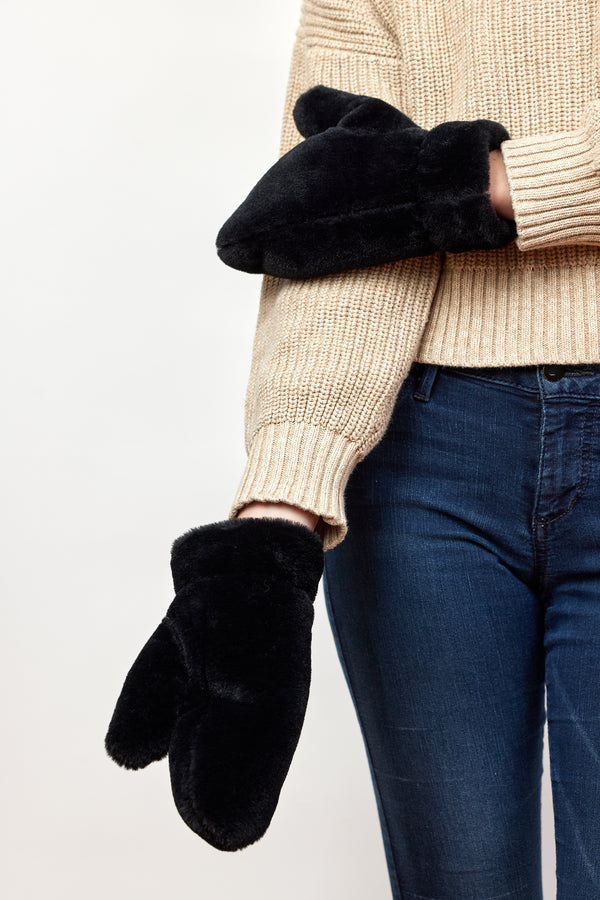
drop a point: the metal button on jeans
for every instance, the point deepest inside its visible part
(553, 373)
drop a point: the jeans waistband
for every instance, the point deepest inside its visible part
(549, 379)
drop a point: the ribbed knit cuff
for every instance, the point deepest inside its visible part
(554, 186)
(303, 465)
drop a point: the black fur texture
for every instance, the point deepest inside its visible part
(222, 684)
(367, 186)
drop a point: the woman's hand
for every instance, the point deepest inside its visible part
(499, 191)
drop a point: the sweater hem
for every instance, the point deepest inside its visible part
(497, 317)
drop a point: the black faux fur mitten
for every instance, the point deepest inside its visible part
(222, 684)
(367, 187)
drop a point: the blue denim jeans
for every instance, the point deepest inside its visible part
(465, 607)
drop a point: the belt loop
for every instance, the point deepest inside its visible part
(425, 382)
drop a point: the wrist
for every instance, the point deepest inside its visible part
(259, 509)
(499, 190)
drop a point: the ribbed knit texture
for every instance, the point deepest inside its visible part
(330, 353)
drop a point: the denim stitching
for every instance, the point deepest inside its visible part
(539, 545)
(580, 487)
(393, 873)
(495, 897)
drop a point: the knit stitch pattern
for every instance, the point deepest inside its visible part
(330, 353)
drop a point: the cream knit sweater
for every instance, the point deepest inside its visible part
(330, 353)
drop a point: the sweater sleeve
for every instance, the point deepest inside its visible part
(330, 353)
(554, 184)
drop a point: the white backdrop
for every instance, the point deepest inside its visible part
(130, 131)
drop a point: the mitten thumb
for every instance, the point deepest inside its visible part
(321, 107)
(144, 717)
